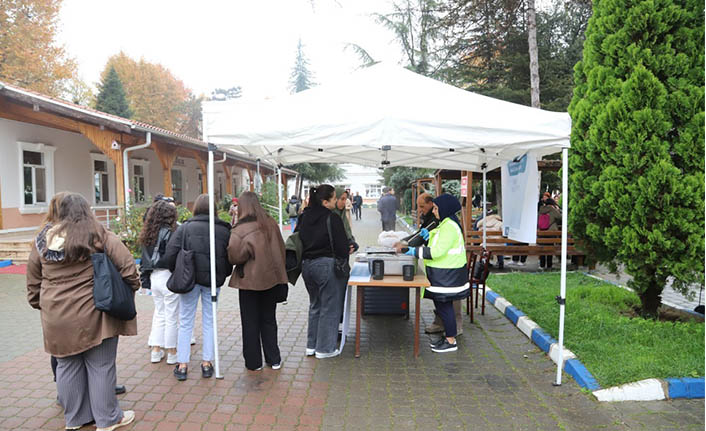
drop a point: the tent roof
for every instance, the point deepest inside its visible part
(425, 123)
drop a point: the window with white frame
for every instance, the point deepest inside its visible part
(103, 179)
(373, 190)
(36, 175)
(140, 175)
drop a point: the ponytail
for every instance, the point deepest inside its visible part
(319, 194)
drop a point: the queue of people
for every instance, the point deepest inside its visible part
(60, 282)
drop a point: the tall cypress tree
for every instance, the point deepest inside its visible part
(111, 97)
(637, 156)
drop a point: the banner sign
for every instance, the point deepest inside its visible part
(520, 190)
(464, 186)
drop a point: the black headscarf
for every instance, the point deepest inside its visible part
(448, 207)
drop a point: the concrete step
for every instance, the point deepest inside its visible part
(17, 251)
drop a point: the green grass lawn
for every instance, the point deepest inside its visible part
(615, 347)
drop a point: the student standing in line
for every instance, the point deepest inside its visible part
(256, 248)
(195, 234)
(159, 225)
(325, 287)
(82, 338)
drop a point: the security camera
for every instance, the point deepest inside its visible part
(114, 146)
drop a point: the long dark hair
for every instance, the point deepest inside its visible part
(249, 209)
(319, 194)
(79, 227)
(161, 213)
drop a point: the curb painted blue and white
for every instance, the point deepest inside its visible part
(4, 263)
(644, 390)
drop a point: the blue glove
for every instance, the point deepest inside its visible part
(424, 233)
(410, 251)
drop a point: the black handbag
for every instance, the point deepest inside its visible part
(111, 294)
(279, 292)
(341, 267)
(183, 279)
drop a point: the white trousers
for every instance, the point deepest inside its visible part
(165, 321)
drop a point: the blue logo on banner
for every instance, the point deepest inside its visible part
(517, 167)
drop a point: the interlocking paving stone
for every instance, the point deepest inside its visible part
(488, 384)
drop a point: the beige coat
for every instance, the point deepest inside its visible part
(64, 295)
(260, 263)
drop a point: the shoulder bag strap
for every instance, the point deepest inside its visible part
(330, 236)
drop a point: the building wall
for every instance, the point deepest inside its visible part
(72, 171)
(358, 179)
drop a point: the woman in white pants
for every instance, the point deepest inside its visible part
(156, 231)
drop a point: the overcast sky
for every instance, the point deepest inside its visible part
(209, 44)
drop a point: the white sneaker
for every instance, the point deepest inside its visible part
(310, 352)
(171, 358)
(277, 366)
(193, 340)
(520, 264)
(156, 356)
(128, 417)
(510, 262)
(327, 355)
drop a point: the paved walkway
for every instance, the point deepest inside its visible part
(497, 380)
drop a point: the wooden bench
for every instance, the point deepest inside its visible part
(548, 244)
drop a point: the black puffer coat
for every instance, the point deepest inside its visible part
(196, 231)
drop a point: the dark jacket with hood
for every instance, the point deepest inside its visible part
(314, 234)
(197, 239)
(151, 259)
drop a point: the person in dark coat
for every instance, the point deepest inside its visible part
(196, 238)
(387, 207)
(550, 208)
(325, 287)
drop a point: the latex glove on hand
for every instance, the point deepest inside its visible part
(410, 251)
(424, 233)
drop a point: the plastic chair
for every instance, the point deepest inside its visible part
(476, 279)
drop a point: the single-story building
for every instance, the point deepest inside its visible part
(50, 145)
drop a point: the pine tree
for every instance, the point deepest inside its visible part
(111, 97)
(637, 156)
(301, 78)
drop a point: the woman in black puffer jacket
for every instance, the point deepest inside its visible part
(196, 238)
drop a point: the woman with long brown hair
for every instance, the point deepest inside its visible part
(256, 248)
(156, 231)
(83, 339)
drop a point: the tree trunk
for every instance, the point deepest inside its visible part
(651, 300)
(533, 54)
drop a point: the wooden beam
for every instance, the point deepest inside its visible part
(229, 178)
(13, 111)
(103, 139)
(166, 155)
(55, 110)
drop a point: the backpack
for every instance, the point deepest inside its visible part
(544, 221)
(292, 210)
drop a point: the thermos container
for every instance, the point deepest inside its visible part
(378, 269)
(408, 272)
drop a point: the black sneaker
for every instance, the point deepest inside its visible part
(444, 347)
(180, 374)
(438, 342)
(206, 371)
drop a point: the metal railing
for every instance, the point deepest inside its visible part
(106, 214)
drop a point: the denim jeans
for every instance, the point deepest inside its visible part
(188, 303)
(325, 303)
(293, 223)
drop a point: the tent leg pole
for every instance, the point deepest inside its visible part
(279, 194)
(485, 213)
(564, 230)
(212, 255)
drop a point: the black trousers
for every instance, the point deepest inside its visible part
(257, 317)
(445, 310)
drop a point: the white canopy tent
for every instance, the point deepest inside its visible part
(387, 116)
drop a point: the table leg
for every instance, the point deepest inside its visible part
(359, 304)
(417, 311)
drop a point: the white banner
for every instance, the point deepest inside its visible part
(520, 190)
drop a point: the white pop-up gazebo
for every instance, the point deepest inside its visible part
(385, 116)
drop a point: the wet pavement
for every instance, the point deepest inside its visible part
(497, 380)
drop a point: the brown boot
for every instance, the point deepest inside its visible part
(436, 327)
